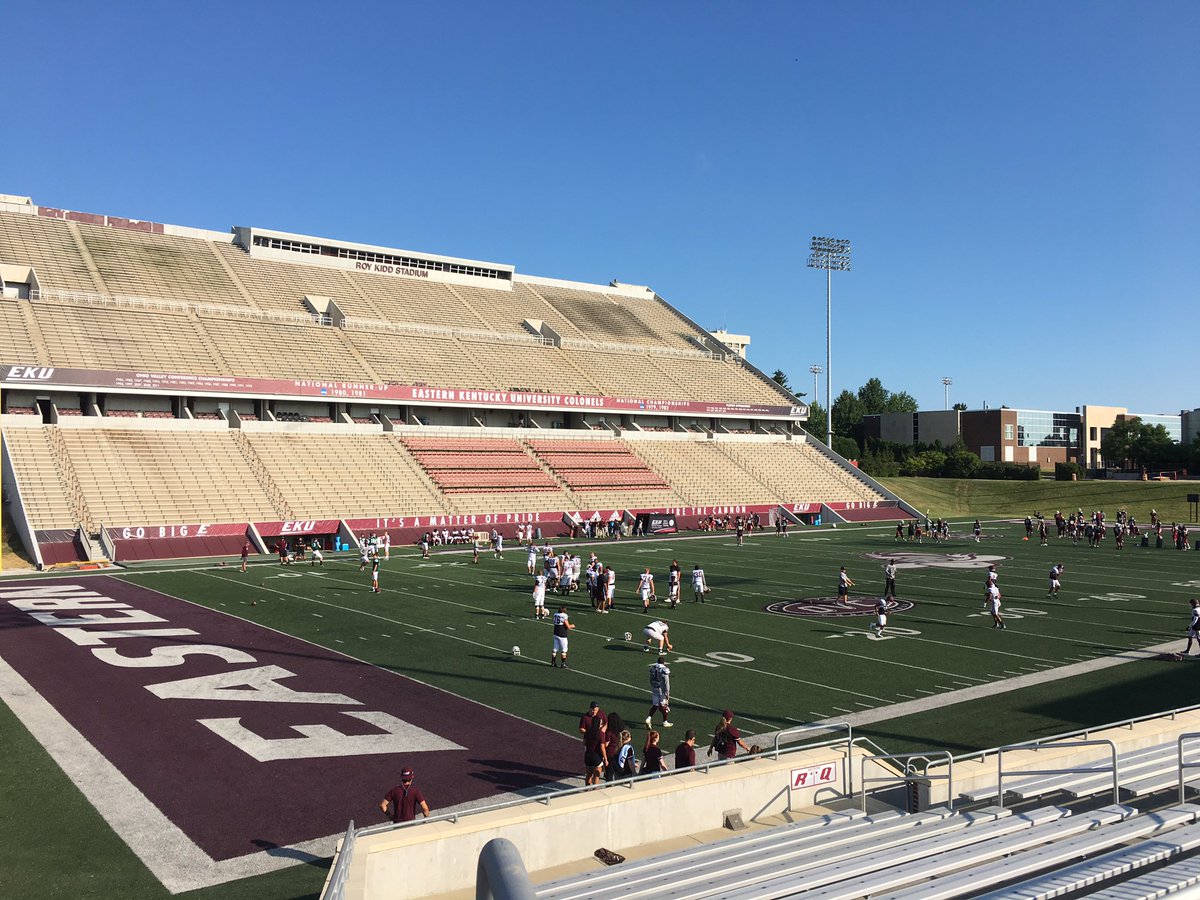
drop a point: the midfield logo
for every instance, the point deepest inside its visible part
(828, 607)
(911, 559)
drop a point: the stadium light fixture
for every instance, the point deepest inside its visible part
(832, 255)
(946, 382)
(816, 370)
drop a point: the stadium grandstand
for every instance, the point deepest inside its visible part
(172, 391)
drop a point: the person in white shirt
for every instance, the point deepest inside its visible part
(889, 579)
(562, 629)
(531, 559)
(993, 594)
(880, 615)
(387, 545)
(1055, 583)
(673, 576)
(660, 692)
(656, 633)
(539, 596)
(699, 585)
(610, 587)
(646, 588)
(1193, 631)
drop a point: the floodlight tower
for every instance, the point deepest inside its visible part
(946, 382)
(832, 255)
(816, 370)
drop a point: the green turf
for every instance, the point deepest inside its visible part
(453, 624)
(969, 496)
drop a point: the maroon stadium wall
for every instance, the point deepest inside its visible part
(142, 542)
(60, 545)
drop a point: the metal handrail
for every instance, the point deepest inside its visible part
(909, 771)
(335, 887)
(1182, 765)
(500, 873)
(1076, 770)
(1085, 732)
(847, 770)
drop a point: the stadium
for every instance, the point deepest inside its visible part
(211, 437)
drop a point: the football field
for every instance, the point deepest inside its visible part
(770, 642)
(184, 768)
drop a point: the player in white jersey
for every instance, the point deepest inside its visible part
(566, 575)
(539, 596)
(699, 585)
(656, 633)
(531, 559)
(562, 629)
(576, 571)
(660, 692)
(673, 576)
(989, 583)
(1055, 573)
(1193, 631)
(610, 587)
(646, 588)
(362, 556)
(993, 595)
(880, 615)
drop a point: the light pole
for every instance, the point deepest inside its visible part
(816, 370)
(832, 255)
(946, 382)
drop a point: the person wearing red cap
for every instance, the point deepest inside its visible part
(726, 738)
(405, 798)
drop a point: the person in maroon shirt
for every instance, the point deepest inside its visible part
(585, 720)
(594, 757)
(726, 738)
(405, 798)
(685, 753)
(245, 554)
(652, 755)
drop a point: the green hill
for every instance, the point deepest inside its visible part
(972, 497)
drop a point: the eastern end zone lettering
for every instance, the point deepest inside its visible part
(211, 717)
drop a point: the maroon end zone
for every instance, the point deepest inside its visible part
(242, 775)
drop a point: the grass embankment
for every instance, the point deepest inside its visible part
(976, 497)
(12, 554)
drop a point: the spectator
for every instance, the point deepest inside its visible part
(726, 738)
(405, 799)
(652, 755)
(613, 740)
(627, 762)
(595, 757)
(685, 753)
(593, 711)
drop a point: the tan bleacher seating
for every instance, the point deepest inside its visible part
(417, 359)
(46, 502)
(108, 337)
(530, 367)
(702, 474)
(48, 246)
(16, 344)
(284, 350)
(606, 316)
(280, 285)
(799, 472)
(137, 264)
(353, 475)
(414, 300)
(135, 477)
(507, 311)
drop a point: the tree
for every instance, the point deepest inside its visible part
(961, 407)
(781, 379)
(816, 421)
(847, 415)
(844, 446)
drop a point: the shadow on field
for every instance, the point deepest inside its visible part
(309, 859)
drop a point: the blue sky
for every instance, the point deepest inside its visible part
(1021, 180)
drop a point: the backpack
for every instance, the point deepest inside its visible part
(721, 741)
